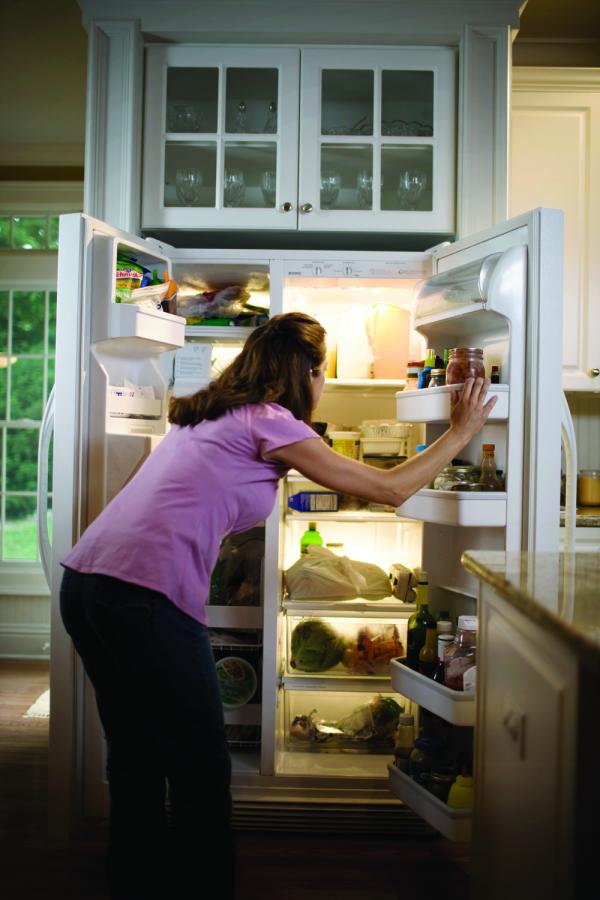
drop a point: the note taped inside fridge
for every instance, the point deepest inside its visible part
(192, 368)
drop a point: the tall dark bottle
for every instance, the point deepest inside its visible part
(419, 621)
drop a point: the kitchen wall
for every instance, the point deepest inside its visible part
(585, 409)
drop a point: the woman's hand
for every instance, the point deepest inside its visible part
(468, 412)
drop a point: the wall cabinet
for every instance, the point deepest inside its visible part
(319, 139)
(555, 161)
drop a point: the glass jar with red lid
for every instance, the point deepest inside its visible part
(463, 363)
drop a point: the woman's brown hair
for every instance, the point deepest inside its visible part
(275, 366)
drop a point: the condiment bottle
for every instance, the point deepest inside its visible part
(495, 376)
(443, 624)
(428, 652)
(443, 642)
(404, 739)
(310, 536)
(488, 480)
(458, 658)
(461, 793)
(419, 622)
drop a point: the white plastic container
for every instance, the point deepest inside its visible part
(454, 824)
(455, 707)
(456, 508)
(347, 443)
(433, 404)
(384, 437)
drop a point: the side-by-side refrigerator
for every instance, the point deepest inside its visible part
(319, 752)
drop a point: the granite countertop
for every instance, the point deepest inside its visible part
(559, 591)
(586, 517)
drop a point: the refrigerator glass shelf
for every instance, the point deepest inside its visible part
(335, 764)
(364, 383)
(456, 508)
(453, 706)
(218, 332)
(433, 404)
(336, 682)
(338, 607)
(351, 515)
(454, 824)
(244, 762)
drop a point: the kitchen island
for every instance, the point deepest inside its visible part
(537, 728)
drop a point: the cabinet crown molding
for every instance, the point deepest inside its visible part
(536, 78)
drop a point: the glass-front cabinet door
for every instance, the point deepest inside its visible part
(377, 141)
(221, 137)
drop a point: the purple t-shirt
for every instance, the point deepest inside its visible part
(164, 529)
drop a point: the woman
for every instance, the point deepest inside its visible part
(136, 585)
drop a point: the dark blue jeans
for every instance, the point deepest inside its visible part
(153, 672)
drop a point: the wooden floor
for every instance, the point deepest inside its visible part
(270, 866)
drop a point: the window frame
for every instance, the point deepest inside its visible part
(31, 270)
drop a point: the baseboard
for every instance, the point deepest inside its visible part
(24, 641)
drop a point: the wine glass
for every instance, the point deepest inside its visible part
(233, 187)
(364, 189)
(410, 187)
(331, 183)
(183, 116)
(188, 184)
(268, 185)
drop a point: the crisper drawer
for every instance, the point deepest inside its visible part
(330, 722)
(343, 647)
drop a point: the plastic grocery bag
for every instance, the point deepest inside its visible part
(321, 573)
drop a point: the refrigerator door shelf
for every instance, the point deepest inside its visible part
(129, 321)
(456, 508)
(453, 706)
(433, 404)
(454, 824)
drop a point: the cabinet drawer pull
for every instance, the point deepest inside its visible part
(287, 206)
(306, 207)
(594, 373)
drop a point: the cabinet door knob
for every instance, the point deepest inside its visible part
(287, 206)
(594, 373)
(306, 207)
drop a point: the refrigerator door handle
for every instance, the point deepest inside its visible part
(46, 432)
(569, 443)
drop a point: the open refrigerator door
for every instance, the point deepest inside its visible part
(113, 376)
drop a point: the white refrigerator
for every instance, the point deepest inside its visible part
(499, 290)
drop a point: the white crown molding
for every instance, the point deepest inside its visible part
(555, 78)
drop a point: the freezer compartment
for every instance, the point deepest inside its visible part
(237, 579)
(238, 658)
(343, 647)
(454, 824)
(456, 508)
(433, 404)
(219, 294)
(453, 706)
(330, 722)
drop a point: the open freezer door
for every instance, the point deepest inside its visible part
(512, 274)
(101, 432)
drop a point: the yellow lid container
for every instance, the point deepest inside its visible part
(461, 793)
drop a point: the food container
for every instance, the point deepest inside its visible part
(463, 363)
(347, 443)
(588, 487)
(451, 476)
(384, 437)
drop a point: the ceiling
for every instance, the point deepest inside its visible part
(558, 20)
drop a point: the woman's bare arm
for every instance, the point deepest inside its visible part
(324, 466)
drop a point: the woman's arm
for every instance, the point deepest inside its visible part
(324, 466)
